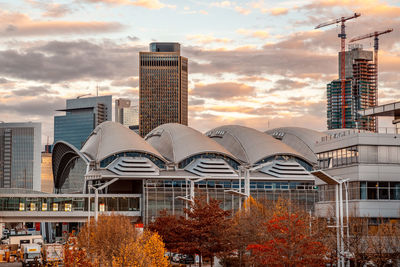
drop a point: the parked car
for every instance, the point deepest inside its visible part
(176, 257)
(187, 259)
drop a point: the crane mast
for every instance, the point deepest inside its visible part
(376, 48)
(342, 36)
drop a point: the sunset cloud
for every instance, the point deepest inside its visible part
(223, 90)
(207, 39)
(261, 34)
(149, 4)
(20, 25)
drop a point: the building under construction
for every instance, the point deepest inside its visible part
(360, 91)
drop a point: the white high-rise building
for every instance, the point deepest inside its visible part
(125, 113)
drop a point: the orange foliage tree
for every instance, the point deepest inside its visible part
(75, 256)
(289, 239)
(204, 232)
(113, 241)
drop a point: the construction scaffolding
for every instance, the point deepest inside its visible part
(360, 92)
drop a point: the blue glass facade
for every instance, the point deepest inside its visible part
(82, 116)
(74, 128)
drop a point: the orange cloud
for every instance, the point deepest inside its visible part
(276, 11)
(242, 10)
(254, 33)
(18, 24)
(207, 39)
(150, 4)
(368, 7)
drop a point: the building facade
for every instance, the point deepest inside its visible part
(20, 145)
(82, 116)
(163, 87)
(126, 113)
(175, 161)
(371, 163)
(47, 174)
(360, 92)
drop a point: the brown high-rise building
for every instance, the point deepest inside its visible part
(163, 87)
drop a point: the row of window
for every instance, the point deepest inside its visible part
(364, 191)
(284, 185)
(64, 204)
(338, 157)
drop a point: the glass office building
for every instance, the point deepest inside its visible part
(20, 155)
(82, 116)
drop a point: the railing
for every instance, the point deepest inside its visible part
(68, 203)
(349, 132)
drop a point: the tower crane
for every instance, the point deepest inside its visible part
(342, 36)
(376, 48)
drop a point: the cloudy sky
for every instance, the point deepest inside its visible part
(257, 63)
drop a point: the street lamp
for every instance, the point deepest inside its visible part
(96, 201)
(190, 197)
(245, 169)
(339, 210)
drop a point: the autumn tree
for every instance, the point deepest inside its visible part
(357, 243)
(384, 244)
(75, 256)
(290, 241)
(247, 227)
(203, 232)
(113, 241)
(170, 228)
(147, 250)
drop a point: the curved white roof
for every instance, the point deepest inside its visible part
(301, 139)
(111, 138)
(177, 142)
(250, 145)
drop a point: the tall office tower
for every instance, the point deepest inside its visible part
(47, 174)
(82, 116)
(125, 113)
(20, 145)
(360, 92)
(163, 87)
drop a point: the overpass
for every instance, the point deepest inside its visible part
(65, 207)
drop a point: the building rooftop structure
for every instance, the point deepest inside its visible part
(173, 156)
(177, 142)
(300, 139)
(111, 138)
(249, 145)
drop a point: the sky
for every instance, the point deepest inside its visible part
(256, 63)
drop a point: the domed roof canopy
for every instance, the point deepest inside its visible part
(177, 142)
(110, 138)
(301, 139)
(250, 145)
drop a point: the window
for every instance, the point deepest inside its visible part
(383, 190)
(395, 190)
(372, 190)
